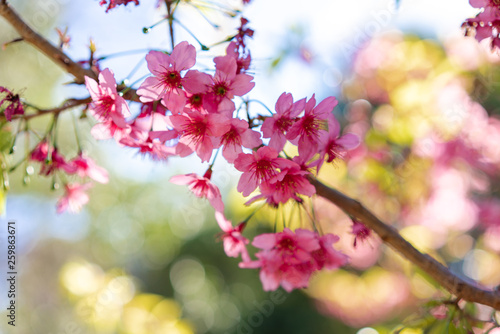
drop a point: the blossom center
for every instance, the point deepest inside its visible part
(231, 137)
(283, 123)
(310, 125)
(196, 130)
(287, 245)
(334, 151)
(172, 79)
(200, 188)
(195, 100)
(106, 103)
(220, 90)
(264, 170)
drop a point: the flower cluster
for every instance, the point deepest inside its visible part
(13, 105)
(182, 112)
(289, 259)
(53, 162)
(486, 24)
(185, 111)
(314, 129)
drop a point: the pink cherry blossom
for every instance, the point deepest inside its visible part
(274, 272)
(196, 82)
(106, 102)
(234, 242)
(307, 130)
(74, 199)
(109, 129)
(57, 162)
(40, 152)
(238, 135)
(289, 258)
(197, 132)
(332, 146)
(243, 31)
(290, 182)
(360, 231)
(202, 187)
(166, 84)
(285, 258)
(261, 165)
(294, 248)
(197, 85)
(227, 84)
(154, 149)
(487, 23)
(151, 108)
(326, 256)
(243, 59)
(276, 127)
(85, 166)
(13, 105)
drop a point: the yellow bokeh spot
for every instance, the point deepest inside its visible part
(151, 314)
(81, 278)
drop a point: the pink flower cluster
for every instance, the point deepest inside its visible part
(314, 129)
(487, 23)
(10, 103)
(75, 193)
(185, 111)
(289, 259)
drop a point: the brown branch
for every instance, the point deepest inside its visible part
(58, 57)
(55, 54)
(390, 236)
(71, 103)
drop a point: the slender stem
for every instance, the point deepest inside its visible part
(215, 157)
(77, 135)
(216, 26)
(262, 104)
(54, 53)
(123, 53)
(170, 19)
(202, 46)
(455, 285)
(66, 105)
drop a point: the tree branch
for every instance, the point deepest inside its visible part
(390, 236)
(30, 36)
(71, 103)
(56, 55)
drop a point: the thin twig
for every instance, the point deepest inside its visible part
(54, 53)
(66, 105)
(170, 19)
(57, 56)
(390, 236)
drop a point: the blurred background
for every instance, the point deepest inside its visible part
(143, 255)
